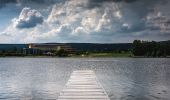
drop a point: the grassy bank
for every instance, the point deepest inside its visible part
(128, 54)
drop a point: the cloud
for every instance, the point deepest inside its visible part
(29, 1)
(4, 2)
(7, 1)
(90, 21)
(79, 31)
(98, 3)
(157, 21)
(36, 4)
(28, 18)
(105, 23)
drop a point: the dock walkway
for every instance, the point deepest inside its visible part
(83, 85)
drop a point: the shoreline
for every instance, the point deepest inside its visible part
(79, 57)
(89, 55)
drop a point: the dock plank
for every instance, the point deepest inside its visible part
(83, 85)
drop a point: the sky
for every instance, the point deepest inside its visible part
(84, 21)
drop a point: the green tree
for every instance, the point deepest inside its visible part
(137, 48)
(61, 52)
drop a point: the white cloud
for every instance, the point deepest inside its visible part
(118, 14)
(105, 23)
(90, 21)
(28, 18)
(80, 30)
(67, 21)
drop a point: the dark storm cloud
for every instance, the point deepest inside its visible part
(135, 13)
(26, 1)
(34, 21)
(135, 28)
(94, 3)
(128, 1)
(4, 2)
(39, 1)
(7, 1)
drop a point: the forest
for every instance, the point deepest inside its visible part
(151, 48)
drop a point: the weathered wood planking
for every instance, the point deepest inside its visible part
(83, 85)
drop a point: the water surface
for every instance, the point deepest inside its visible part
(122, 78)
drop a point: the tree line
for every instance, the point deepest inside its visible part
(137, 48)
(151, 48)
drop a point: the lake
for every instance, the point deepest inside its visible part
(122, 78)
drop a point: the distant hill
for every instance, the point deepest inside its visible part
(78, 46)
(11, 46)
(100, 47)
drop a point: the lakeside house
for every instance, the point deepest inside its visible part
(47, 48)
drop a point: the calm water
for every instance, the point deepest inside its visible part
(122, 78)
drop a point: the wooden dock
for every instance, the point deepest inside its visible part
(83, 85)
